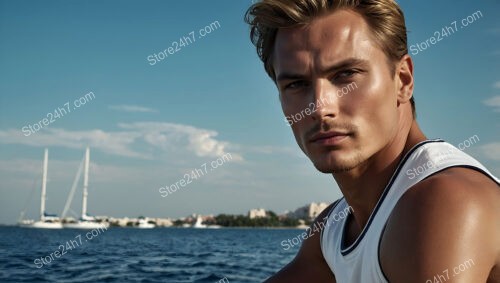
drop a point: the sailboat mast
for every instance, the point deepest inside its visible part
(85, 183)
(44, 184)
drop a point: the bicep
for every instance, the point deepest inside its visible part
(440, 236)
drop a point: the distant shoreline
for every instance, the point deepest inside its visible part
(176, 227)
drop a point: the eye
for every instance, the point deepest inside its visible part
(295, 85)
(346, 74)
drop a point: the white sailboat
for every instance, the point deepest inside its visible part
(46, 221)
(85, 221)
(199, 224)
(144, 224)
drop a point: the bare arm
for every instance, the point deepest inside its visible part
(309, 264)
(445, 229)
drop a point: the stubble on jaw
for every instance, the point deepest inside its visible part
(345, 166)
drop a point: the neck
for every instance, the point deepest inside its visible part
(363, 186)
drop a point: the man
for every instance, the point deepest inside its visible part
(422, 211)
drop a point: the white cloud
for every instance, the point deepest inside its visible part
(151, 137)
(132, 108)
(115, 143)
(169, 136)
(493, 102)
(491, 151)
(497, 85)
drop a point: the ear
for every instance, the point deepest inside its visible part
(404, 79)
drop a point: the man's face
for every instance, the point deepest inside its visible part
(334, 68)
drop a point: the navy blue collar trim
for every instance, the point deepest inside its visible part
(345, 251)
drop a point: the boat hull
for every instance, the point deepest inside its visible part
(86, 225)
(42, 225)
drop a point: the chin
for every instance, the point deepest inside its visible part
(332, 164)
(329, 168)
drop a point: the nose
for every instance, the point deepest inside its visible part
(325, 100)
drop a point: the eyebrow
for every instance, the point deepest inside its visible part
(339, 66)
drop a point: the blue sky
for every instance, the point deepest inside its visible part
(148, 125)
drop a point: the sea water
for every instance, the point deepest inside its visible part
(143, 255)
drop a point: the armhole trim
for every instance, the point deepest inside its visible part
(335, 203)
(480, 170)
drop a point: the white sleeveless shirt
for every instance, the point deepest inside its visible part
(359, 263)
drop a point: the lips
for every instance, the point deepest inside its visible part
(331, 137)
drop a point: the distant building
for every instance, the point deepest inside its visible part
(308, 212)
(132, 222)
(163, 222)
(121, 222)
(257, 213)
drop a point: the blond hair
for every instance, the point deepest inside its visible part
(384, 17)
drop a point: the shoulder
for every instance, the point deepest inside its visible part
(460, 190)
(446, 219)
